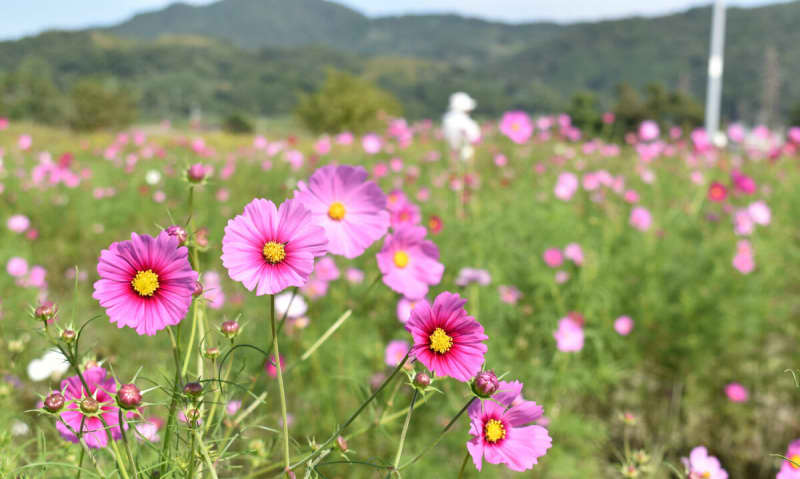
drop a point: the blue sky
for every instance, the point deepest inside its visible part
(24, 17)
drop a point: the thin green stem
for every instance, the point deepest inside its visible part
(440, 436)
(206, 457)
(80, 464)
(276, 354)
(463, 465)
(173, 404)
(353, 416)
(405, 429)
(122, 423)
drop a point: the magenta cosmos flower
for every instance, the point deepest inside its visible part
(88, 406)
(499, 430)
(269, 249)
(409, 263)
(517, 126)
(145, 283)
(447, 340)
(349, 208)
(791, 470)
(702, 466)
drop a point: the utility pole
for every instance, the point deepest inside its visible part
(715, 64)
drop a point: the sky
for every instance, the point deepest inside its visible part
(19, 18)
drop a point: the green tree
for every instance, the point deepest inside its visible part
(585, 112)
(101, 103)
(345, 102)
(30, 92)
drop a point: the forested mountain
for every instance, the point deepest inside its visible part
(256, 55)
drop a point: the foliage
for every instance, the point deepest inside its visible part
(101, 103)
(238, 123)
(585, 111)
(346, 103)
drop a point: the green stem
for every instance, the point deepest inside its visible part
(128, 452)
(188, 355)
(463, 465)
(206, 457)
(80, 463)
(173, 404)
(440, 436)
(353, 416)
(405, 430)
(276, 354)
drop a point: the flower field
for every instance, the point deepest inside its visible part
(536, 304)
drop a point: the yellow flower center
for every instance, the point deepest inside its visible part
(145, 283)
(274, 252)
(494, 430)
(400, 259)
(336, 211)
(440, 341)
(706, 475)
(795, 458)
(515, 127)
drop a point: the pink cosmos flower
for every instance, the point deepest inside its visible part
(641, 218)
(574, 252)
(717, 192)
(736, 392)
(405, 306)
(743, 223)
(409, 263)
(623, 325)
(561, 277)
(468, 276)
(569, 335)
(233, 407)
(212, 290)
(268, 249)
(553, 257)
(354, 275)
(371, 143)
(791, 470)
(145, 283)
(702, 466)
(509, 294)
(349, 208)
(499, 431)
(648, 130)
(736, 133)
(3, 123)
(794, 134)
(24, 142)
(744, 261)
(345, 138)
(17, 267)
(566, 186)
(759, 212)
(517, 126)
(101, 387)
(269, 366)
(326, 269)
(18, 223)
(395, 352)
(405, 214)
(447, 340)
(743, 183)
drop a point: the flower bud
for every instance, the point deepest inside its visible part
(177, 232)
(193, 390)
(192, 416)
(198, 289)
(422, 380)
(47, 312)
(68, 335)
(230, 329)
(129, 396)
(201, 237)
(342, 443)
(90, 406)
(485, 384)
(54, 402)
(211, 353)
(196, 173)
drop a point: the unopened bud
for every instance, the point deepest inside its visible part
(90, 406)
(129, 396)
(177, 232)
(68, 335)
(485, 384)
(212, 353)
(342, 443)
(46, 312)
(193, 390)
(196, 173)
(198, 289)
(54, 402)
(230, 329)
(422, 380)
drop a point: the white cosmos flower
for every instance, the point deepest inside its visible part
(152, 177)
(292, 308)
(53, 363)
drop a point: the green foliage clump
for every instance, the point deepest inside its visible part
(98, 103)
(30, 92)
(238, 123)
(667, 108)
(584, 110)
(346, 103)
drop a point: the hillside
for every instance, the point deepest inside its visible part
(255, 55)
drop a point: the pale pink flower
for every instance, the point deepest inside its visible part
(623, 325)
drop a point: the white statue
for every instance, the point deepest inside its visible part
(460, 130)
